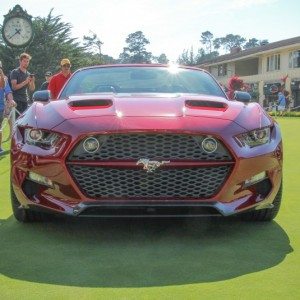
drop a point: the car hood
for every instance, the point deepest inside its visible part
(248, 116)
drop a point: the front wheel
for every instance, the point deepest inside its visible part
(267, 214)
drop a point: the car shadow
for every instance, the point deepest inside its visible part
(138, 252)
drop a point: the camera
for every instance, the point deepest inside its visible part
(31, 75)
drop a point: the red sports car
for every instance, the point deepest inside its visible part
(145, 140)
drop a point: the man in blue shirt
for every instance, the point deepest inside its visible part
(5, 94)
(281, 102)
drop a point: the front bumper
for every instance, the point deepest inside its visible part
(233, 196)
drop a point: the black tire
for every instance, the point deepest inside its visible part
(267, 214)
(24, 215)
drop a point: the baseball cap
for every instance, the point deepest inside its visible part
(48, 73)
(65, 61)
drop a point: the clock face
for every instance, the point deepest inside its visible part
(17, 31)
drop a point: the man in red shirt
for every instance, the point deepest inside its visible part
(58, 80)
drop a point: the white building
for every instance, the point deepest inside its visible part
(261, 67)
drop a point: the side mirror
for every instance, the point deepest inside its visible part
(42, 96)
(242, 96)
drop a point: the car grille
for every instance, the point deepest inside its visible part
(152, 146)
(97, 182)
(131, 181)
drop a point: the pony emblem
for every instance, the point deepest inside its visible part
(151, 165)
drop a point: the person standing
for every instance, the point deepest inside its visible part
(48, 76)
(6, 101)
(22, 82)
(281, 102)
(58, 80)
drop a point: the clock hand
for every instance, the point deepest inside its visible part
(18, 31)
(12, 35)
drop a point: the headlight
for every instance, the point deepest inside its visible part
(41, 138)
(255, 137)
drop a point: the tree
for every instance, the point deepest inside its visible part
(251, 43)
(136, 52)
(161, 59)
(207, 40)
(202, 56)
(93, 47)
(217, 42)
(93, 43)
(187, 57)
(229, 42)
(263, 42)
(51, 43)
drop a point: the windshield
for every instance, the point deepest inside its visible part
(140, 79)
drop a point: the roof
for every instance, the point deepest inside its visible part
(251, 51)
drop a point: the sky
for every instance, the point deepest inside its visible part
(171, 26)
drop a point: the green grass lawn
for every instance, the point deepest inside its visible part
(150, 259)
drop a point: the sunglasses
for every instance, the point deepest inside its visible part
(67, 66)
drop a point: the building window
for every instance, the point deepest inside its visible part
(273, 62)
(294, 59)
(222, 70)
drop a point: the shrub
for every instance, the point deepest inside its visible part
(286, 113)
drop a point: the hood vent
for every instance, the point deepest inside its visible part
(206, 105)
(89, 104)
